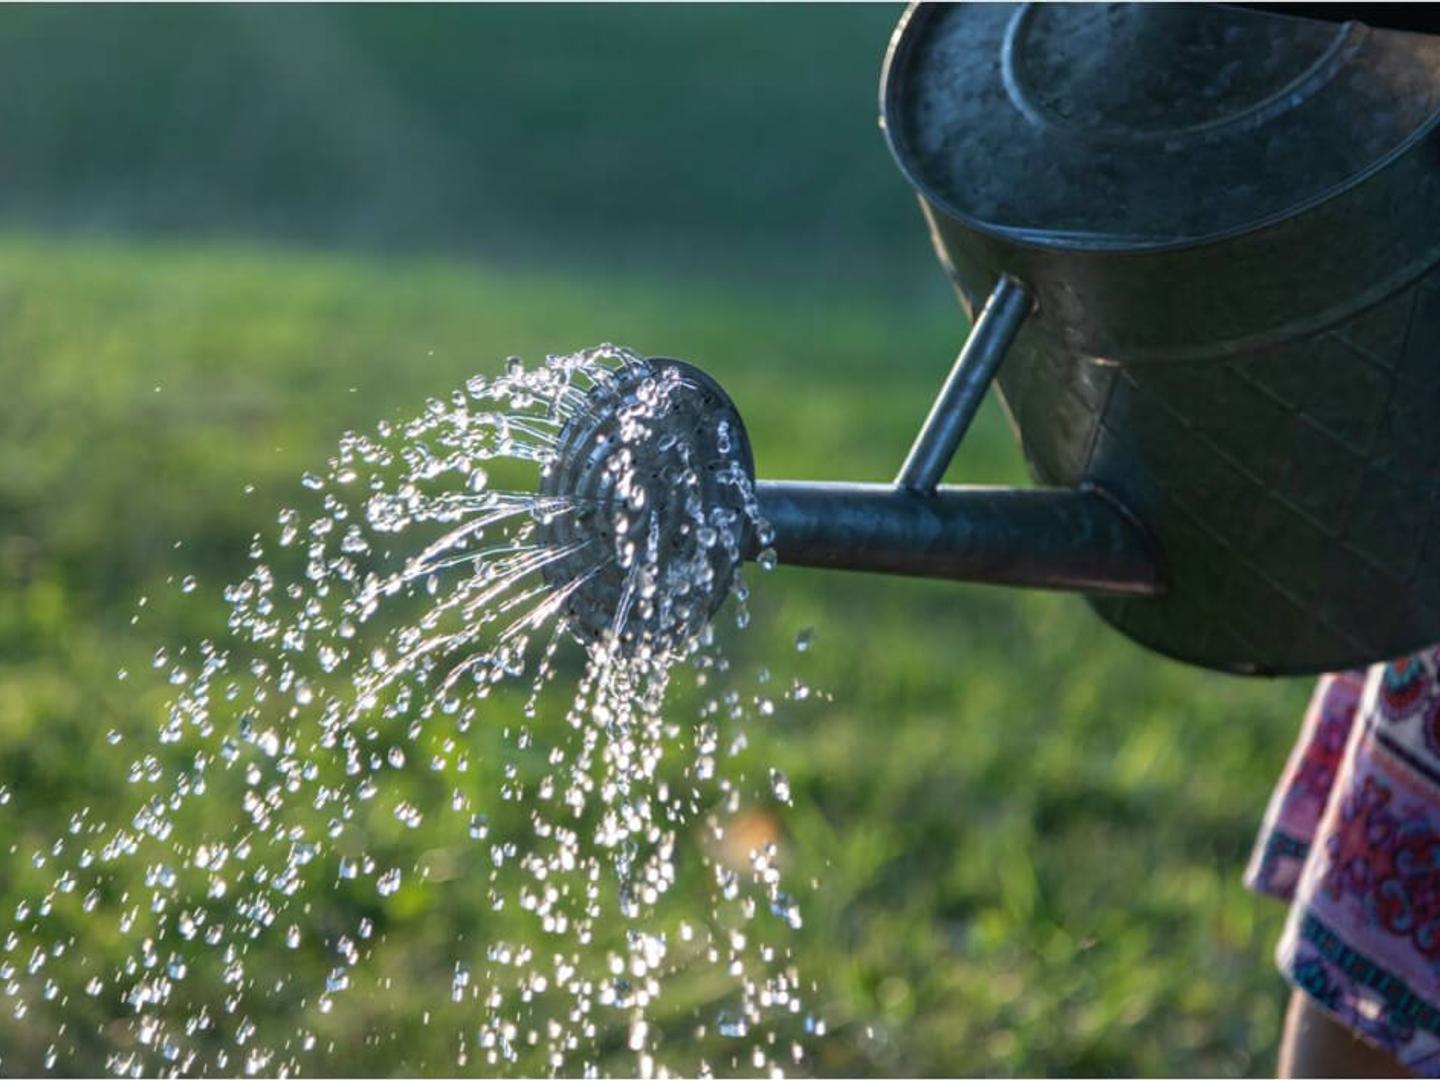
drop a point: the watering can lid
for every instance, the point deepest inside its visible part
(1137, 126)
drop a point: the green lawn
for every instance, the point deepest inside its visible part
(1027, 833)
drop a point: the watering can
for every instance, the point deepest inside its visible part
(1200, 249)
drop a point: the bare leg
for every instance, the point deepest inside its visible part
(1316, 1045)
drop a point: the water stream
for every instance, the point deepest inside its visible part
(416, 691)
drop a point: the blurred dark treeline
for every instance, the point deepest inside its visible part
(720, 140)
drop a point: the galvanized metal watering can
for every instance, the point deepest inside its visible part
(1199, 244)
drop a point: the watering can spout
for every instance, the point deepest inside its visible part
(1079, 540)
(635, 418)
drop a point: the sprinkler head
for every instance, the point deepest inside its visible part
(651, 494)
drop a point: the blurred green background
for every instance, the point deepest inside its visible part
(231, 233)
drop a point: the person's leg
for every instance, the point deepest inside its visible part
(1316, 1045)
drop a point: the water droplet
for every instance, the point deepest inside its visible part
(780, 785)
(732, 1025)
(388, 883)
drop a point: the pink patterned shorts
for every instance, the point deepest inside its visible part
(1352, 840)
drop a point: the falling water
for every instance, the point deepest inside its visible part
(417, 653)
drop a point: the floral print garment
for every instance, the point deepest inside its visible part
(1352, 840)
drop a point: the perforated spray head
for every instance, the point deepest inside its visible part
(654, 490)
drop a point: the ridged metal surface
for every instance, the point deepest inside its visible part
(680, 431)
(1260, 384)
(1129, 125)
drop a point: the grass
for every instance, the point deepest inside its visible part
(1027, 832)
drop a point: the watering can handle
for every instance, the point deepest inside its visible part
(959, 399)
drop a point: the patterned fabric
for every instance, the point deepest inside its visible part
(1352, 840)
